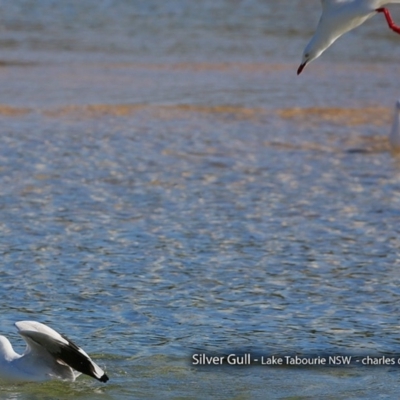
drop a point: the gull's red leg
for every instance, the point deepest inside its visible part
(389, 19)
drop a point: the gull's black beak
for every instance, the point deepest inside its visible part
(300, 69)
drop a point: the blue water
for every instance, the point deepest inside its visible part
(170, 187)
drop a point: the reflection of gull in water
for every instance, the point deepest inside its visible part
(48, 355)
(339, 17)
(379, 144)
(394, 137)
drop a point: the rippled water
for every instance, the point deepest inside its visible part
(169, 186)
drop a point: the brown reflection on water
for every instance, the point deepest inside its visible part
(303, 118)
(345, 116)
(158, 111)
(377, 116)
(9, 111)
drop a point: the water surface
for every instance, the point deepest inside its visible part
(169, 186)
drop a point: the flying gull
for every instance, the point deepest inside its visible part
(339, 17)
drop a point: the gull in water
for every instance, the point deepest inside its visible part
(48, 355)
(339, 17)
(394, 137)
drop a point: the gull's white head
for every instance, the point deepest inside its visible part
(7, 353)
(323, 38)
(337, 18)
(311, 52)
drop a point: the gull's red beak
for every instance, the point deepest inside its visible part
(300, 69)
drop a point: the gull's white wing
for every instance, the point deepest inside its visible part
(38, 327)
(40, 338)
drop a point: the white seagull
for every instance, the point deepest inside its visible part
(339, 17)
(394, 137)
(48, 355)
